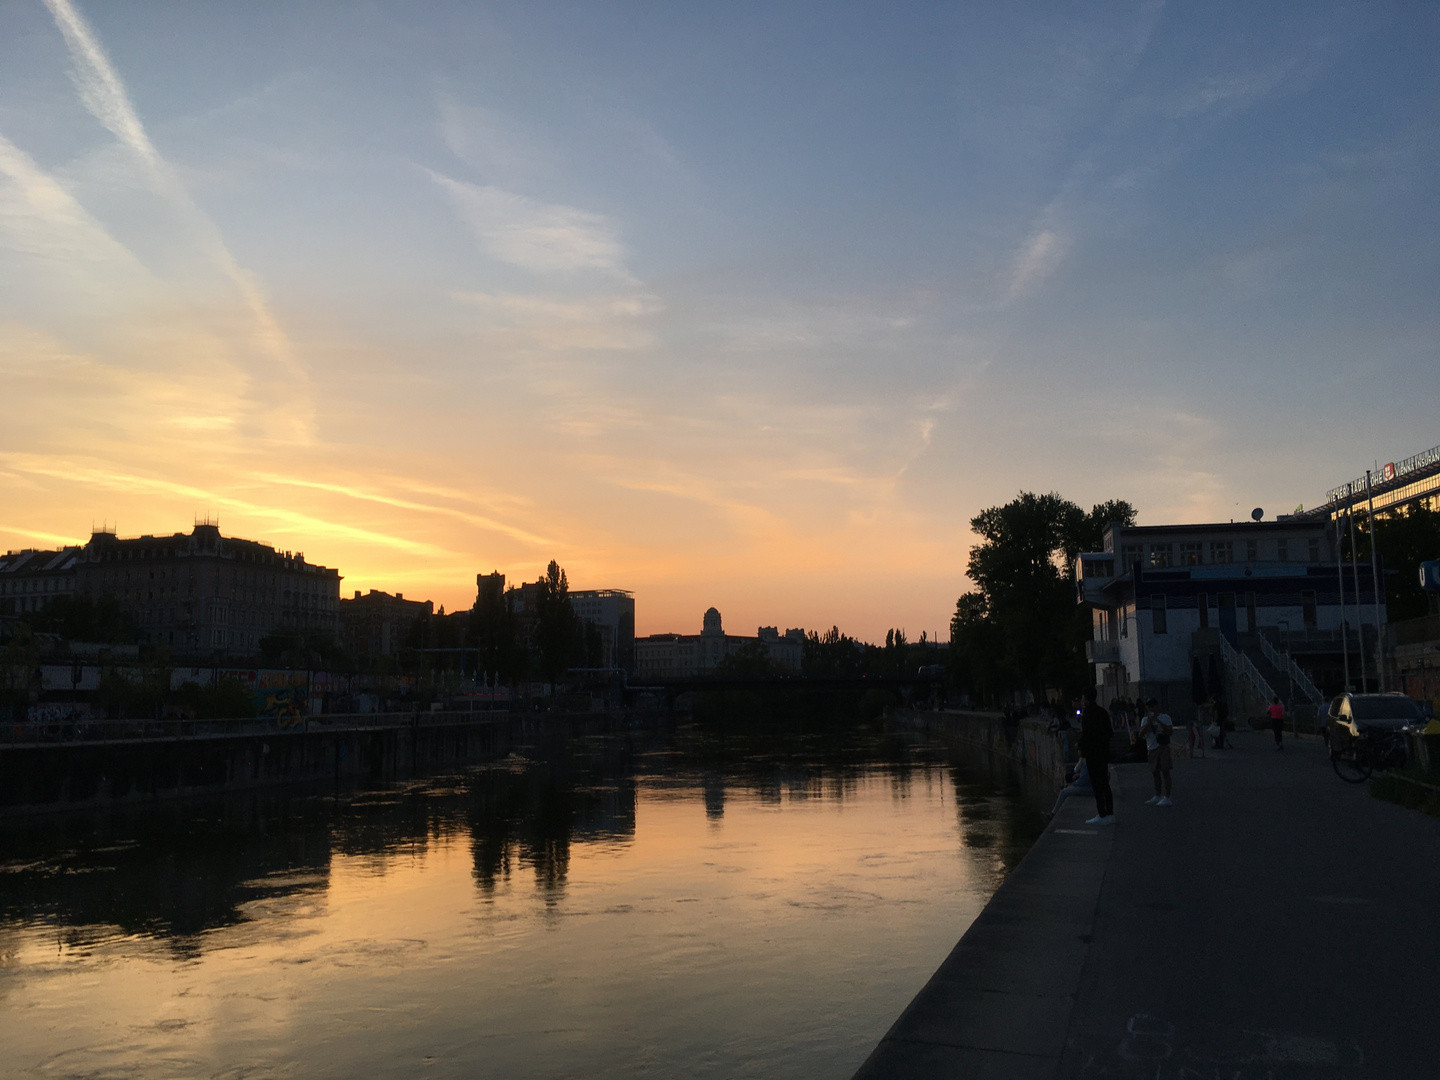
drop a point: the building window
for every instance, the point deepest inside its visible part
(1282, 550)
(1250, 610)
(1160, 555)
(1252, 551)
(1190, 554)
(1307, 608)
(1202, 604)
(1157, 611)
(1314, 549)
(1222, 551)
(1129, 556)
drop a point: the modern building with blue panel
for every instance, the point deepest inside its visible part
(1232, 612)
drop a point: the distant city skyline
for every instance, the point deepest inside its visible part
(752, 309)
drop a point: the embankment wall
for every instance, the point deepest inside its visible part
(81, 773)
(1027, 741)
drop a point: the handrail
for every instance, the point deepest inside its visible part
(1246, 668)
(84, 729)
(1283, 662)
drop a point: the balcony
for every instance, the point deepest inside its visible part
(1102, 652)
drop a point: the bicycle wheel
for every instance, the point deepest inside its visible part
(1351, 766)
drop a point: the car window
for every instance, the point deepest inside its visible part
(1335, 706)
(1385, 707)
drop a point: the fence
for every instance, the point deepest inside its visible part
(83, 729)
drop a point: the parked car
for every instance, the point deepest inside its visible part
(1352, 715)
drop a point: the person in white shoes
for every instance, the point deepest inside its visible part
(1157, 728)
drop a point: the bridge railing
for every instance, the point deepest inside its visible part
(83, 729)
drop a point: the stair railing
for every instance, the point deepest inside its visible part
(1283, 662)
(1241, 663)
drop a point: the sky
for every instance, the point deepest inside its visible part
(744, 305)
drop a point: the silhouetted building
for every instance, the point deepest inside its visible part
(204, 593)
(374, 624)
(30, 580)
(681, 655)
(489, 590)
(613, 612)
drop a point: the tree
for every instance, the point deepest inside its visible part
(84, 618)
(832, 653)
(1408, 536)
(560, 636)
(1022, 628)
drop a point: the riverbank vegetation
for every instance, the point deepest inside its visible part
(1021, 629)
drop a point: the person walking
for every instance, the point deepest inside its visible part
(1095, 732)
(1157, 727)
(1276, 712)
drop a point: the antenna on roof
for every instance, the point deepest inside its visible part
(206, 519)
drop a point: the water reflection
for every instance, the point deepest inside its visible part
(625, 903)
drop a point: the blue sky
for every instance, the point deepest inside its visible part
(751, 305)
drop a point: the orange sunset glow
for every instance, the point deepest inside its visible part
(506, 304)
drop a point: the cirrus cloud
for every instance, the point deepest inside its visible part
(535, 235)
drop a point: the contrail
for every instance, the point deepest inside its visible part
(104, 95)
(100, 88)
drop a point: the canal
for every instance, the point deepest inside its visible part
(666, 901)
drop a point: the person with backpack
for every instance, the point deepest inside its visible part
(1095, 732)
(1157, 727)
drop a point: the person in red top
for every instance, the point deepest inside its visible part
(1276, 712)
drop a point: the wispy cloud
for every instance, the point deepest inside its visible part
(613, 321)
(116, 480)
(40, 218)
(103, 93)
(363, 494)
(491, 142)
(33, 534)
(534, 235)
(1038, 258)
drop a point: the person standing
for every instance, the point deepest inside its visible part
(1157, 727)
(1095, 732)
(1276, 712)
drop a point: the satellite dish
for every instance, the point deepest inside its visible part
(1257, 514)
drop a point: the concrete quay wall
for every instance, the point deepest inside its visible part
(1027, 741)
(46, 776)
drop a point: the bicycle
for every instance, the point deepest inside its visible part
(1361, 755)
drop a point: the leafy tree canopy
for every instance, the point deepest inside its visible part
(1021, 628)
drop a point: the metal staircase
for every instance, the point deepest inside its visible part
(1286, 666)
(1245, 670)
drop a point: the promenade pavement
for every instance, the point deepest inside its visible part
(1274, 924)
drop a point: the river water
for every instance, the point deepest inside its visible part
(644, 903)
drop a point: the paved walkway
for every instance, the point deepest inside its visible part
(1275, 923)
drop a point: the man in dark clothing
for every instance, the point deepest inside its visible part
(1095, 732)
